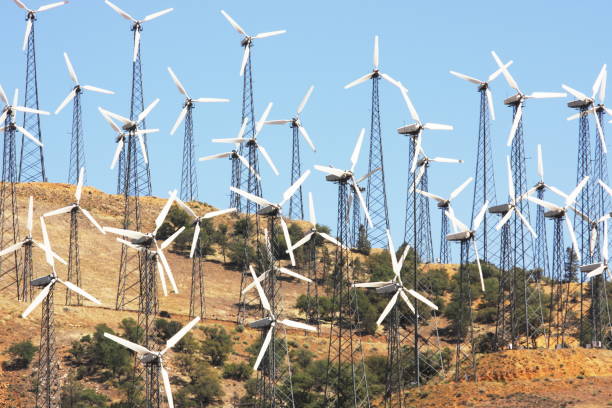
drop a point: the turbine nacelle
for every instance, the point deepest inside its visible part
(270, 211)
(390, 288)
(412, 130)
(461, 236)
(263, 323)
(341, 178)
(42, 281)
(558, 213)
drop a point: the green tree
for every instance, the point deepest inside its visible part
(222, 239)
(363, 245)
(203, 388)
(217, 346)
(21, 354)
(237, 371)
(74, 395)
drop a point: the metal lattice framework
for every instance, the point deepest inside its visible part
(48, 380)
(541, 243)
(345, 353)
(505, 323)
(376, 195)
(77, 144)
(189, 177)
(296, 204)
(11, 274)
(484, 184)
(32, 160)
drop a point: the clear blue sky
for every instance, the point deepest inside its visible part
(327, 44)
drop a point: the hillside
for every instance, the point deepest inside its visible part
(543, 378)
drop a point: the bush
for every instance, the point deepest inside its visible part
(203, 388)
(486, 315)
(218, 345)
(240, 253)
(74, 395)
(237, 371)
(22, 354)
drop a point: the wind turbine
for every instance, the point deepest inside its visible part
(31, 163)
(444, 204)
(10, 109)
(154, 361)
(74, 262)
(270, 321)
(77, 147)
(147, 241)
(296, 209)
(189, 180)
(273, 210)
(247, 40)
(198, 296)
(357, 221)
(348, 176)
(423, 164)
(599, 268)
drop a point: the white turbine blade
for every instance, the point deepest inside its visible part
(270, 34)
(577, 94)
(245, 58)
(557, 191)
(106, 116)
(419, 177)
(445, 160)
(478, 219)
(357, 149)
(525, 222)
(304, 133)
(38, 299)
(117, 152)
(26, 36)
(602, 98)
(370, 284)
(143, 148)
(166, 265)
(600, 133)
(422, 298)
(407, 301)
(136, 44)
(194, 240)
(388, 308)
(96, 89)
(390, 79)
(53, 254)
(129, 244)
(490, 102)
(210, 100)
(503, 220)
(92, 220)
(185, 207)
(571, 198)
(115, 116)
(391, 248)
(215, 156)
(375, 57)
(305, 100)
(451, 216)
(244, 161)
(262, 120)
(258, 200)
(264, 348)
(295, 275)
(3, 96)
(403, 257)
(278, 122)
(505, 72)
(593, 240)
(262, 295)
(577, 115)
(46, 242)
(297, 325)
(167, 388)
(330, 170)
(604, 250)
(59, 211)
(515, 123)
(71, 70)
(11, 249)
(179, 119)
(171, 342)
(216, 213)
(79, 189)
(30, 219)
(294, 187)
(598, 271)
(178, 83)
(80, 291)
(454, 224)
(156, 15)
(171, 238)
(266, 156)
(466, 78)
(368, 175)
(251, 285)
(20, 4)
(330, 239)
(459, 189)
(311, 210)
(545, 204)
(29, 110)
(570, 229)
(598, 81)
(495, 74)
(235, 140)
(359, 80)
(482, 284)
(364, 207)
(605, 187)
(128, 344)
(413, 113)
(120, 12)
(546, 95)
(287, 240)
(28, 135)
(124, 232)
(233, 23)
(417, 151)
(147, 110)
(164, 211)
(437, 126)
(302, 241)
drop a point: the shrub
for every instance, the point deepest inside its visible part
(21, 354)
(203, 388)
(217, 346)
(74, 395)
(237, 371)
